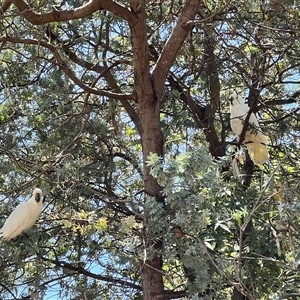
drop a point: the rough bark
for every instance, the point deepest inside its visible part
(152, 141)
(149, 90)
(173, 44)
(217, 149)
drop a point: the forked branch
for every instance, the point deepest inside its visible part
(37, 18)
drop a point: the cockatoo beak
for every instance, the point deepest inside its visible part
(38, 197)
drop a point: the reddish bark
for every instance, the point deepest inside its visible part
(149, 91)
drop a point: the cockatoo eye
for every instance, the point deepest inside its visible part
(37, 197)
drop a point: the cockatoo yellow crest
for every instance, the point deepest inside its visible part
(23, 217)
(254, 139)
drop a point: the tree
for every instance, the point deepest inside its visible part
(118, 112)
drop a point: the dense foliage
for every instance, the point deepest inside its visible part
(72, 123)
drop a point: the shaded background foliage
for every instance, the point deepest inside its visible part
(64, 129)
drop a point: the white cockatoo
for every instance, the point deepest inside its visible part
(254, 139)
(23, 217)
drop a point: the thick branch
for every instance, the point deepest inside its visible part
(196, 110)
(131, 161)
(105, 72)
(85, 10)
(85, 272)
(173, 44)
(213, 76)
(289, 100)
(293, 113)
(5, 6)
(217, 148)
(62, 64)
(142, 82)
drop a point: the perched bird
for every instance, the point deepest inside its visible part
(254, 139)
(23, 217)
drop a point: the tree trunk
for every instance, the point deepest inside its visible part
(152, 142)
(151, 269)
(148, 92)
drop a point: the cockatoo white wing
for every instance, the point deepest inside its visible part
(23, 217)
(254, 139)
(238, 114)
